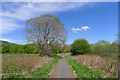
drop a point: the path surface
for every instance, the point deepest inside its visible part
(62, 70)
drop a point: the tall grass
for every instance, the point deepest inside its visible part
(84, 71)
(44, 71)
(107, 64)
(14, 65)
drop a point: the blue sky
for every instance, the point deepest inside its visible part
(90, 20)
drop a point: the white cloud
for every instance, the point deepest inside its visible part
(75, 30)
(9, 25)
(85, 28)
(24, 11)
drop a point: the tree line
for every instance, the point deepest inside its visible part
(20, 49)
(31, 49)
(79, 47)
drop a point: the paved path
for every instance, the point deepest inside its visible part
(62, 70)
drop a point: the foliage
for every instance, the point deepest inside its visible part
(58, 49)
(80, 46)
(20, 49)
(66, 48)
(83, 71)
(5, 49)
(32, 49)
(102, 42)
(105, 49)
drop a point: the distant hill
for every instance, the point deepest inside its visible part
(6, 43)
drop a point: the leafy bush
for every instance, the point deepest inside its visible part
(80, 46)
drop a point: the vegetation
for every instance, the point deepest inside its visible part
(20, 49)
(83, 71)
(31, 49)
(104, 63)
(44, 71)
(66, 48)
(46, 31)
(102, 55)
(16, 65)
(104, 48)
(80, 46)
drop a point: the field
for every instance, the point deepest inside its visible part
(14, 65)
(104, 63)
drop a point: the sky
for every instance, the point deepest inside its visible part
(90, 20)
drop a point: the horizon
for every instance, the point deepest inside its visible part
(93, 21)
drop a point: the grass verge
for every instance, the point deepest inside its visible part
(83, 71)
(44, 71)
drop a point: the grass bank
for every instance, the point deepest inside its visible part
(83, 71)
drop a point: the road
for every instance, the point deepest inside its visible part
(62, 70)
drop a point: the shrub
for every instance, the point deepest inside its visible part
(80, 46)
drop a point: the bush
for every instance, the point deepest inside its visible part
(80, 46)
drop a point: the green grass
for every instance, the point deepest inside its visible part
(44, 71)
(83, 71)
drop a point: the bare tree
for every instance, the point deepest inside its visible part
(45, 30)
